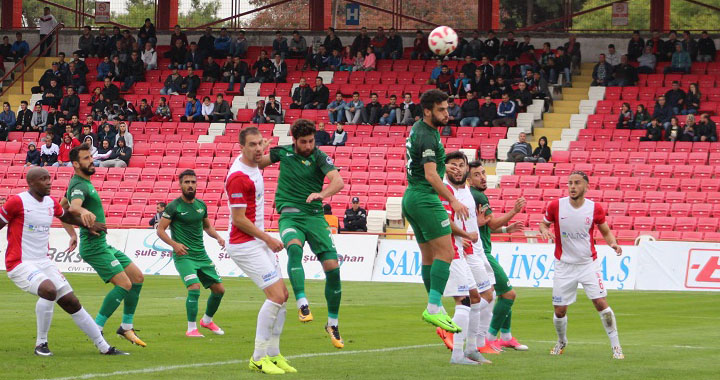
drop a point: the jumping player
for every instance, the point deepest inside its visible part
(575, 219)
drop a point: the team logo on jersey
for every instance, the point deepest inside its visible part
(587, 220)
(428, 153)
(445, 223)
(328, 160)
(305, 162)
(199, 211)
(76, 192)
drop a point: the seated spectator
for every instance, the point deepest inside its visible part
(297, 47)
(70, 104)
(506, 112)
(675, 98)
(408, 112)
(7, 121)
(52, 94)
(462, 85)
(336, 109)
(602, 72)
(195, 57)
(318, 60)
(20, 47)
(371, 111)
(77, 79)
(470, 111)
(319, 97)
(5, 50)
(690, 129)
(173, 83)
(32, 157)
(355, 217)
(193, 109)
(663, 112)
(394, 46)
(211, 70)
(120, 156)
(64, 152)
(420, 47)
(358, 62)
(23, 119)
(87, 131)
(147, 33)
(641, 118)
(258, 116)
(107, 132)
(332, 41)
(190, 83)
(39, 119)
(279, 69)
(389, 111)
(647, 61)
(445, 80)
(149, 57)
(436, 71)
(521, 150)
(502, 69)
(222, 111)
(361, 41)
(542, 153)
(348, 61)
(707, 130)
(612, 57)
(370, 60)
(692, 100)
(454, 112)
(104, 68)
(625, 117)
(239, 45)
(178, 34)
(159, 210)
(562, 64)
(235, 71)
(280, 45)
(301, 96)
(222, 44)
(706, 48)
(178, 53)
(624, 74)
(488, 112)
(273, 110)
(334, 61)
(353, 109)
(321, 136)
(207, 109)
(49, 152)
(124, 133)
(522, 96)
(339, 137)
(636, 45)
(102, 153)
(111, 92)
(162, 112)
(674, 132)
(680, 62)
(145, 113)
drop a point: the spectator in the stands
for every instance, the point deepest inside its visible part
(135, 71)
(70, 104)
(262, 61)
(454, 112)
(89, 142)
(487, 113)
(178, 34)
(378, 43)
(663, 112)
(540, 88)
(647, 61)
(125, 134)
(190, 83)
(79, 65)
(692, 100)
(173, 83)
(470, 111)
(87, 131)
(479, 83)
(460, 50)
(339, 137)
(239, 46)
(39, 119)
(445, 80)
(264, 74)
(68, 143)
(706, 48)
(258, 116)
(520, 150)
(235, 71)
(353, 109)
(355, 219)
(107, 132)
(206, 43)
(625, 117)
(394, 46)
(680, 62)
(348, 61)
(334, 61)
(222, 111)
(468, 68)
(602, 72)
(147, 33)
(370, 60)
(120, 157)
(280, 45)
(101, 43)
(104, 68)
(99, 107)
(522, 96)
(408, 112)
(636, 46)
(612, 57)
(572, 49)
(675, 98)
(52, 94)
(332, 41)
(120, 50)
(193, 109)
(707, 130)
(436, 71)
(222, 44)
(624, 74)
(49, 152)
(207, 109)
(506, 111)
(491, 46)
(20, 47)
(361, 42)
(59, 126)
(475, 45)
(297, 47)
(7, 120)
(674, 132)
(690, 129)
(24, 118)
(358, 62)
(372, 111)
(211, 70)
(487, 68)
(420, 50)
(118, 70)
(76, 127)
(389, 111)
(86, 42)
(159, 210)
(641, 118)
(336, 109)
(273, 110)
(279, 69)
(50, 133)
(6, 49)
(690, 45)
(508, 48)
(322, 138)
(91, 123)
(194, 58)
(162, 112)
(542, 153)
(102, 153)
(178, 55)
(301, 96)
(145, 112)
(52, 73)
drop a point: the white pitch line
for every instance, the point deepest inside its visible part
(630, 344)
(195, 365)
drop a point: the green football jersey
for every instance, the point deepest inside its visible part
(299, 177)
(423, 146)
(186, 224)
(481, 200)
(80, 188)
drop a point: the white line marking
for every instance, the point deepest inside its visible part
(630, 344)
(237, 361)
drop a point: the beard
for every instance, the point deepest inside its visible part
(458, 182)
(88, 170)
(190, 195)
(437, 122)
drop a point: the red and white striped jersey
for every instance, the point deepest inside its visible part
(245, 188)
(465, 197)
(28, 232)
(574, 228)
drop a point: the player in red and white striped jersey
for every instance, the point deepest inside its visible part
(29, 216)
(254, 251)
(575, 219)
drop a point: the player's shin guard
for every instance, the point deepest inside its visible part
(439, 274)
(84, 321)
(213, 303)
(44, 314)
(273, 348)
(462, 319)
(131, 302)
(561, 327)
(333, 294)
(500, 313)
(265, 323)
(608, 320)
(425, 271)
(505, 333)
(295, 270)
(110, 304)
(191, 307)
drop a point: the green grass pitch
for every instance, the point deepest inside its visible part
(665, 335)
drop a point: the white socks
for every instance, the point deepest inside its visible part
(485, 318)
(608, 320)
(505, 335)
(86, 323)
(206, 319)
(561, 327)
(433, 309)
(302, 301)
(273, 348)
(192, 326)
(44, 313)
(265, 323)
(332, 321)
(462, 319)
(126, 326)
(476, 310)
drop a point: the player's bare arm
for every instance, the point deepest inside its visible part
(545, 232)
(336, 184)
(609, 238)
(179, 249)
(265, 162)
(497, 222)
(240, 220)
(439, 186)
(457, 231)
(210, 230)
(75, 207)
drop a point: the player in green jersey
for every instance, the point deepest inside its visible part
(110, 264)
(187, 218)
(422, 207)
(298, 199)
(502, 311)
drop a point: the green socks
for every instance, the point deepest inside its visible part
(131, 302)
(213, 303)
(505, 328)
(439, 274)
(425, 271)
(295, 270)
(333, 292)
(191, 304)
(501, 313)
(110, 304)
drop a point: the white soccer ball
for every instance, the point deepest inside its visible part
(442, 40)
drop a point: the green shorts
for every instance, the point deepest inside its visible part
(502, 283)
(197, 269)
(426, 215)
(107, 261)
(313, 229)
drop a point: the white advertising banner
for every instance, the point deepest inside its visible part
(679, 266)
(398, 261)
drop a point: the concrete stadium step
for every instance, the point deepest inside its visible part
(575, 91)
(573, 97)
(556, 120)
(566, 106)
(587, 66)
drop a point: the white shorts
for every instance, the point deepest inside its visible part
(479, 270)
(30, 274)
(257, 261)
(461, 279)
(567, 278)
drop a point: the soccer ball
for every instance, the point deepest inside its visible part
(442, 40)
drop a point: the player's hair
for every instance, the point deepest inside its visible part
(456, 155)
(581, 174)
(75, 152)
(302, 128)
(185, 173)
(248, 131)
(430, 98)
(475, 164)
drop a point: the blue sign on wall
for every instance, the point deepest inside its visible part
(352, 14)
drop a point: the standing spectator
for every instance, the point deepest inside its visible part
(690, 45)
(135, 71)
(378, 43)
(149, 57)
(86, 43)
(207, 109)
(206, 43)
(280, 45)
(159, 209)
(488, 112)
(68, 143)
(460, 50)
(470, 111)
(332, 41)
(636, 46)
(336, 109)
(178, 34)
(222, 111)
(124, 133)
(279, 69)
(49, 152)
(147, 33)
(507, 110)
(692, 100)
(20, 47)
(389, 111)
(24, 118)
(353, 109)
(706, 48)
(145, 113)
(301, 96)
(239, 46)
(520, 150)
(508, 48)
(322, 138)
(663, 112)
(297, 48)
(258, 116)
(372, 111)
(6, 50)
(625, 117)
(273, 110)
(542, 153)
(612, 57)
(162, 112)
(420, 47)
(394, 46)
(475, 46)
(101, 43)
(572, 49)
(193, 109)
(624, 74)
(680, 62)
(361, 42)
(602, 72)
(211, 70)
(355, 217)
(339, 137)
(39, 119)
(408, 112)
(120, 157)
(642, 117)
(675, 98)
(707, 130)
(47, 24)
(222, 44)
(647, 61)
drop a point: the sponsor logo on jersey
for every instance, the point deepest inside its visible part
(557, 299)
(236, 195)
(166, 215)
(328, 160)
(428, 153)
(76, 192)
(445, 223)
(575, 235)
(114, 263)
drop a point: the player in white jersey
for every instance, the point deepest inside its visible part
(254, 251)
(575, 219)
(471, 295)
(29, 216)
